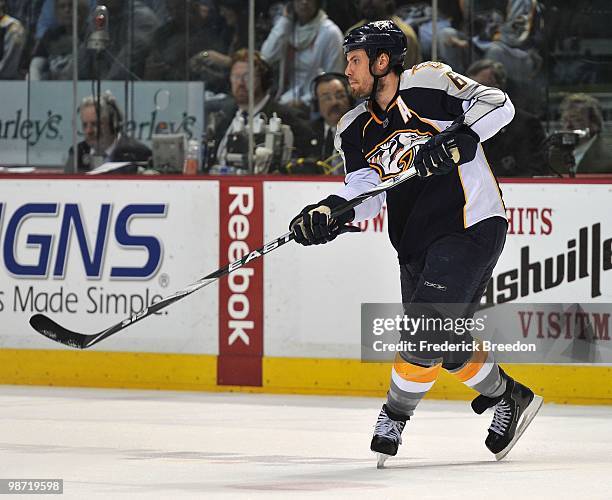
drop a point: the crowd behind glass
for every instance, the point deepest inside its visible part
(553, 58)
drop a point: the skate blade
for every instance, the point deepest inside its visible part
(528, 415)
(381, 458)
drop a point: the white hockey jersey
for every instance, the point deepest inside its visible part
(377, 144)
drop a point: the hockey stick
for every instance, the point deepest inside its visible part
(49, 328)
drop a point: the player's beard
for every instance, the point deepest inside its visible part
(361, 92)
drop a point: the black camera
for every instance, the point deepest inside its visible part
(566, 139)
(563, 142)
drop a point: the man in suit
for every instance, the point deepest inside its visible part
(110, 144)
(592, 154)
(264, 103)
(517, 150)
(331, 100)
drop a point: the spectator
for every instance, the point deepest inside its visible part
(131, 28)
(305, 42)
(12, 40)
(188, 30)
(593, 154)
(375, 10)
(343, 12)
(52, 55)
(110, 144)
(513, 38)
(233, 37)
(27, 12)
(331, 99)
(517, 150)
(47, 18)
(452, 43)
(510, 39)
(160, 8)
(415, 14)
(264, 103)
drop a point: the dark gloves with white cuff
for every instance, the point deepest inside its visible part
(444, 151)
(314, 225)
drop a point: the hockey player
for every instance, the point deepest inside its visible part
(448, 228)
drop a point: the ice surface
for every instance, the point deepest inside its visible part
(147, 444)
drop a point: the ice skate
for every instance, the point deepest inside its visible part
(514, 411)
(387, 437)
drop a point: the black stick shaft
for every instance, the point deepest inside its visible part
(49, 328)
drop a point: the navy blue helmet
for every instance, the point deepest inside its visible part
(377, 37)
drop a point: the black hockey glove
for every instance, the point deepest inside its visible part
(443, 152)
(313, 225)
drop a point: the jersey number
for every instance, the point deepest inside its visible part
(457, 80)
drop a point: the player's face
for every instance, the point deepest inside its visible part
(333, 101)
(358, 73)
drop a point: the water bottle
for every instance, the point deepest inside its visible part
(274, 139)
(192, 158)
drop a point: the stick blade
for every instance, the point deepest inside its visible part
(52, 330)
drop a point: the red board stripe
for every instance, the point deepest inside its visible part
(240, 293)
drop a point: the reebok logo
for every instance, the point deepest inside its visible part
(435, 285)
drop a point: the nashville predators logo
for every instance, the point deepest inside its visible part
(396, 153)
(383, 25)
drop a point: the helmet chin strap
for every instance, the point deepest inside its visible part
(376, 78)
